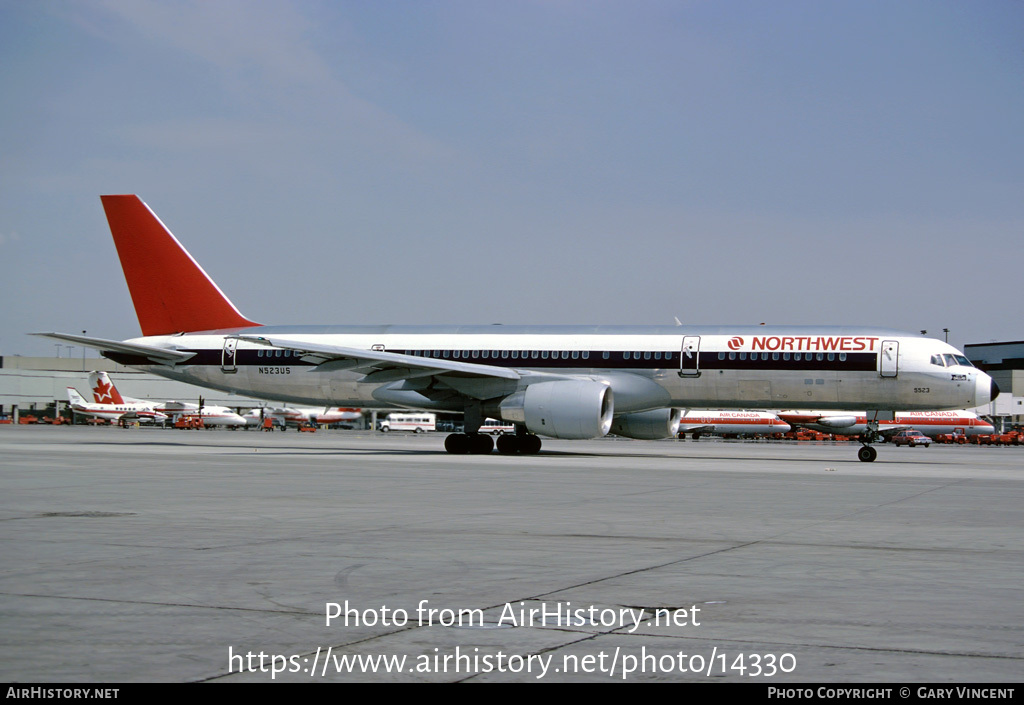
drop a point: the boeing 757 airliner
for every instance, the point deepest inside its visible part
(556, 381)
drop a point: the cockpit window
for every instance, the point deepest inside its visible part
(937, 360)
(952, 360)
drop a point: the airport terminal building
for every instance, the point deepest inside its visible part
(1005, 363)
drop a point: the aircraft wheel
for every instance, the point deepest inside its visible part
(480, 444)
(529, 445)
(457, 444)
(867, 454)
(695, 436)
(508, 445)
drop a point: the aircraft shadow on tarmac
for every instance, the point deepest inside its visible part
(289, 451)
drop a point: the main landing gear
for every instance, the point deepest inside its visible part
(482, 444)
(525, 444)
(469, 443)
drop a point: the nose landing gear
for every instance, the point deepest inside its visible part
(866, 453)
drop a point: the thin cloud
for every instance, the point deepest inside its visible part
(262, 53)
(233, 35)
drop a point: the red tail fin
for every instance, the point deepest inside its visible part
(171, 292)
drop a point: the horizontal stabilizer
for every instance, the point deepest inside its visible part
(161, 356)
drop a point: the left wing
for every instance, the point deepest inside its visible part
(410, 380)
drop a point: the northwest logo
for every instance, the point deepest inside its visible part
(735, 343)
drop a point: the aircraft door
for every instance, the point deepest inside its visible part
(227, 357)
(689, 359)
(888, 365)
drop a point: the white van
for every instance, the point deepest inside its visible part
(415, 422)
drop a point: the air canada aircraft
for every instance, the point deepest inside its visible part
(300, 416)
(556, 381)
(104, 391)
(930, 423)
(115, 411)
(700, 421)
(209, 415)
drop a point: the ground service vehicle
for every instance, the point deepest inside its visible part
(496, 427)
(911, 438)
(417, 423)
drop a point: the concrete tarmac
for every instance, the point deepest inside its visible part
(182, 556)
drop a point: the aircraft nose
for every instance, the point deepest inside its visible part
(985, 390)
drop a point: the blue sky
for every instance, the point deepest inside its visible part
(569, 162)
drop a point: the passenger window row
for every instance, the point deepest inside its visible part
(784, 356)
(540, 354)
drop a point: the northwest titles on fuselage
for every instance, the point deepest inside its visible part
(800, 343)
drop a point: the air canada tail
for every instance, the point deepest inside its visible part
(103, 390)
(171, 292)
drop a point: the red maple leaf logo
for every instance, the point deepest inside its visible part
(103, 394)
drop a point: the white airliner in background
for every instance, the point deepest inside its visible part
(557, 381)
(744, 423)
(115, 411)
(210, 415)
(297, 416)
(103, 389)
(854, 423)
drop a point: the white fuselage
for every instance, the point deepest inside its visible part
(211, 415)
(291, 415)
(114, 412)
(646, 367)
(216, 416)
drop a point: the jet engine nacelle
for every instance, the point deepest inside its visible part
(648, 425)
(837, 421)
(562, 409)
